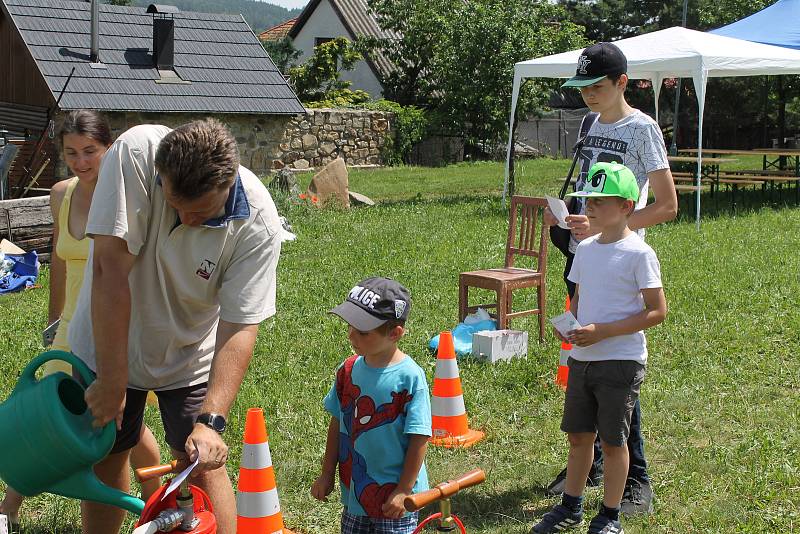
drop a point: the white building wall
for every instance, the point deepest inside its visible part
(325, 23)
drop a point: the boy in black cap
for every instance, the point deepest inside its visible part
(380, 415)
(621, 134)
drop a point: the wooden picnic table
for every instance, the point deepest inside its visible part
(705, 159)
(778, 160)
(709, 165)
(773, 173)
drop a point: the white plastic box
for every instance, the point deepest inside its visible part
(497, 345)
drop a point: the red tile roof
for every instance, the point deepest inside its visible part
(276, 33)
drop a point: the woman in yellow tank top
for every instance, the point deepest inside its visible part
(84, 136)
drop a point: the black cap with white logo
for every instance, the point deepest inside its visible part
(597, 62)
(373, 302)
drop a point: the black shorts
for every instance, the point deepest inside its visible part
(600, 398)
(179, 408)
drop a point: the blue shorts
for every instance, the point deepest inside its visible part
(362, 524)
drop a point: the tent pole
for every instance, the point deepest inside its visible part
(511, 121)
(700, 89)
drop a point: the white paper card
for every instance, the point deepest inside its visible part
(180, 478)
(565, 323)
(559, 209)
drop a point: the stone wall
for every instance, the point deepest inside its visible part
(322, 135)
(271, 142)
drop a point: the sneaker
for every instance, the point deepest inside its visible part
(605, 525)
(638, 498)
(559, 519)
(556, 487)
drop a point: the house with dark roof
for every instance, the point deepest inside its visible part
(324, 20)
(140, 65)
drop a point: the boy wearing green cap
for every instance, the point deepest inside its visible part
(618, 295)
(624, 135)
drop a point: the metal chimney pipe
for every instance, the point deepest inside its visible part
(95, 44)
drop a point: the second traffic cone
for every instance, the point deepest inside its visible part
(449, 416)
(562, 375)
(257, 507)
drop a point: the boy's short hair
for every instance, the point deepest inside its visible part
(609, 180)
(374, 302)
(599, 61)
(198, 157)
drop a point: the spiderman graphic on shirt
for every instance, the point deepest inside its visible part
(360, 415)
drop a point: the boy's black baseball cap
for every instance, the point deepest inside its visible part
(373, 302)
(597, 62)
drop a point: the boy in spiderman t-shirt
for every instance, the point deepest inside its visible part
(380, 415)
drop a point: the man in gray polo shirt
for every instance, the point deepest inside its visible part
(183, 265)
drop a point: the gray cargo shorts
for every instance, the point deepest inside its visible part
(600, 398)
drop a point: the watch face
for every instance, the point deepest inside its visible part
(214, 421)
(218, 423)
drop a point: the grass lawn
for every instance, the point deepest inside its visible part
(720, 401)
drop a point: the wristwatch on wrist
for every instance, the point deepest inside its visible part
(214, 421)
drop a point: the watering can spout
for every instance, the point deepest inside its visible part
(85, 486)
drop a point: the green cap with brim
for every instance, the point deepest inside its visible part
(609, 180)
(582, 81)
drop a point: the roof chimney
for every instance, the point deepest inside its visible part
(94, 55)
(163, 36)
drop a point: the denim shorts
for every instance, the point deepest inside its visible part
(600, 398)
(362, 524)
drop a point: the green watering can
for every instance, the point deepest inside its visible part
(47, 439)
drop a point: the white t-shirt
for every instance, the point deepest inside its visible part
(185, 278)
(610, 278)
(635, 141)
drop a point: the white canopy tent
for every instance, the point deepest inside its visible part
(672, 53)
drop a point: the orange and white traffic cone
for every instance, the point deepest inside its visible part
(257, 506)
(562, 375)
(449, 416)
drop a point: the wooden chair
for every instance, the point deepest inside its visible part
(523, 239)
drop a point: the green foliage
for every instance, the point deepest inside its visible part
(317, 79)
(283, 53)
(410, 126)
(259, 15)
(119, 2)
(609, 20)
(458, 58)
(341, 98)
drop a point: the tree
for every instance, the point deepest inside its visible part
(457, 58)
(417, 30)
(283, 53)
(127, 3)
(318, 78)
(474, 68)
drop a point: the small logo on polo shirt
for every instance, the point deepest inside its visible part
(206, 269)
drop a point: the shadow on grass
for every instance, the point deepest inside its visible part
(508, 509)
(728, 201)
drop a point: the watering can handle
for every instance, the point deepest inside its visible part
(29, 373)
(28, 376)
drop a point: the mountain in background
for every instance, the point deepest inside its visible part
(259, 15)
